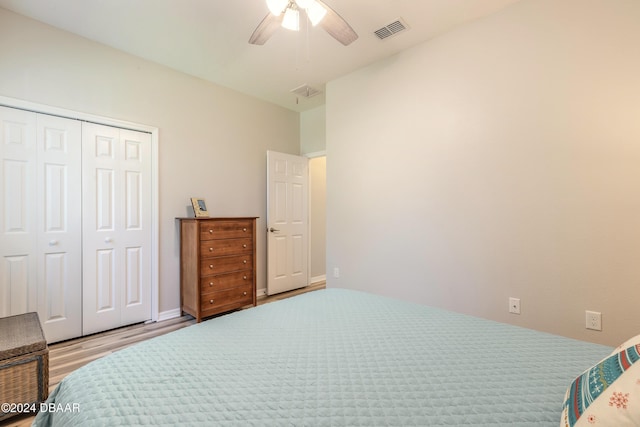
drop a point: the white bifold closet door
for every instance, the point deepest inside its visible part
(40, 240)
(116, 180)
(75, 218)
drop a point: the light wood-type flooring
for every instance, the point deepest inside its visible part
(67, 356)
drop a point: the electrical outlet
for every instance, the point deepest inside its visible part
(336, 272)
(594, 320)
(514, 305)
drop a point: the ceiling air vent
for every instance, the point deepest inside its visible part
(392, 29)
(306, 91)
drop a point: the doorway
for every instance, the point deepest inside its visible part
(317, 218)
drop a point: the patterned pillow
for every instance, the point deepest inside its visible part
(607, 394)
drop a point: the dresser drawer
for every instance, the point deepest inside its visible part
(226, 264)
(209, 248)
(239, 297)
(225, 281)
(225, 229)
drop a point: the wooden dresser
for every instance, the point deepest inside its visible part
(217, 265)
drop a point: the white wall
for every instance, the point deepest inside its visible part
(318, 217)
(313, 137)
(207, 149)
(501, 159)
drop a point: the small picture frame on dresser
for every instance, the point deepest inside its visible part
(199, 207)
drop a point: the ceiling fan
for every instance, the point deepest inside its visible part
(286, 13)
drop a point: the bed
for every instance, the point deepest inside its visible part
(332, 357)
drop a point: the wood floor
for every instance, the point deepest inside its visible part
(67, 356)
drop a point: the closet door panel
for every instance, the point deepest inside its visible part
(17, 212)
(133, 207)
(104, 199)
(56, 275)
(18, 221)
(59, 214)
(105, 282)
(134, 278)
(14, 288)
(117, 167)
(136, 216)
(102, 265)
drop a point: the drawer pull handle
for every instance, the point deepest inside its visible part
(210, 301)
(244, 294)
(244, 277)
(210, 265)
(244, 246)
(211, 231)
(210, 283)
(210, 249)
(244, 229)
(244, 261)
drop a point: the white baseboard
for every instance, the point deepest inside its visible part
(169, 314)
(317, 279)
(261, 292)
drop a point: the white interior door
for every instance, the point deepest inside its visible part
(117, 227)
(18, 236)
(59, 219)
(287, 222)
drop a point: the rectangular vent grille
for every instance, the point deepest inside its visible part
(392, 29)
(306, 91)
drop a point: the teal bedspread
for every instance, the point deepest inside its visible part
(330, 358)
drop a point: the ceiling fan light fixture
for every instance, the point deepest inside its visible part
(315, 12)
(286, 13)
(291, 20)
(277, 6)
(304, 3)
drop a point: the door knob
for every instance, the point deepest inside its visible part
(108, 240)
(273, 230)
(53, 242)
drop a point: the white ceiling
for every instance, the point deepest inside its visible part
(208, 38)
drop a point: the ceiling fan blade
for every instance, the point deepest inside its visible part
(266, 28)
(337, 27)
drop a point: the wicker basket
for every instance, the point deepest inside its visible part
(24, 361)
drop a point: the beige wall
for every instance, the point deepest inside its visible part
(206, 147)
(318, 217)
(499, 160)
(313, 137)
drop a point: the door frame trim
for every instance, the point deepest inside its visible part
(123, 124)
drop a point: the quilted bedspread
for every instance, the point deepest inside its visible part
(330, 358)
